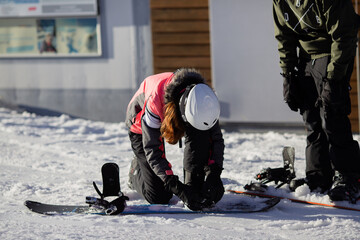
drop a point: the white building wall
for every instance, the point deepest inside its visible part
(245, 63)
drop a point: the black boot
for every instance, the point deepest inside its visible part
(315, 184)
(346, 187)
(295, 183)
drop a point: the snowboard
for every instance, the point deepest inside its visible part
(340, 205)
(242, 205)
(285, 175)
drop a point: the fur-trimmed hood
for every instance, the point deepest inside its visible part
(182, 78)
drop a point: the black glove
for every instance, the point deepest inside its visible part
(335, 97)
(291, 91)
(213, 188)
(191, 198)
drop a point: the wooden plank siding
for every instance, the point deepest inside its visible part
(354, 116)
(180, 35)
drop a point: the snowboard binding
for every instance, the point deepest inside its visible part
(111, 188)
(282, 175)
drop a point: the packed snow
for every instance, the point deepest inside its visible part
(55, 159)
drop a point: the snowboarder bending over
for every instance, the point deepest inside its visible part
(317, 44)
(169, 106)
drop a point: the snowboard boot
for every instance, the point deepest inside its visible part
(314, 182)
(295, 183)
(134, 169)
(345, 188)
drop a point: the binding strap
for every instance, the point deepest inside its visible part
(98, 191)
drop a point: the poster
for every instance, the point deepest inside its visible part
(59, 37)
(76, 35)
(18, 36)
(46, 36)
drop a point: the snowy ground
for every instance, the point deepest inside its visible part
(55, 160)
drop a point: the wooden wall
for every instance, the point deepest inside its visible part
(354, 116)
(180, 34)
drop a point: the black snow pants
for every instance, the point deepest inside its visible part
(196, 155)
(330, 144)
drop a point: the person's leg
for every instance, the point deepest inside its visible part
(196, 156)
(142, 178)
(318, 166)
(200, 172)
(343, 149)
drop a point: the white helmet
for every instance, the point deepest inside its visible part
(199, 106)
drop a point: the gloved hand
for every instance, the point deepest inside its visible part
(291, 91)
(213, 188)
(335, 97)
(191, 198)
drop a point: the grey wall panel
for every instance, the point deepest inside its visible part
(95, 104)
(88, 87)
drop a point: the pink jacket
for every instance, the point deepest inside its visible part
(144, 115)
(150, 95)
